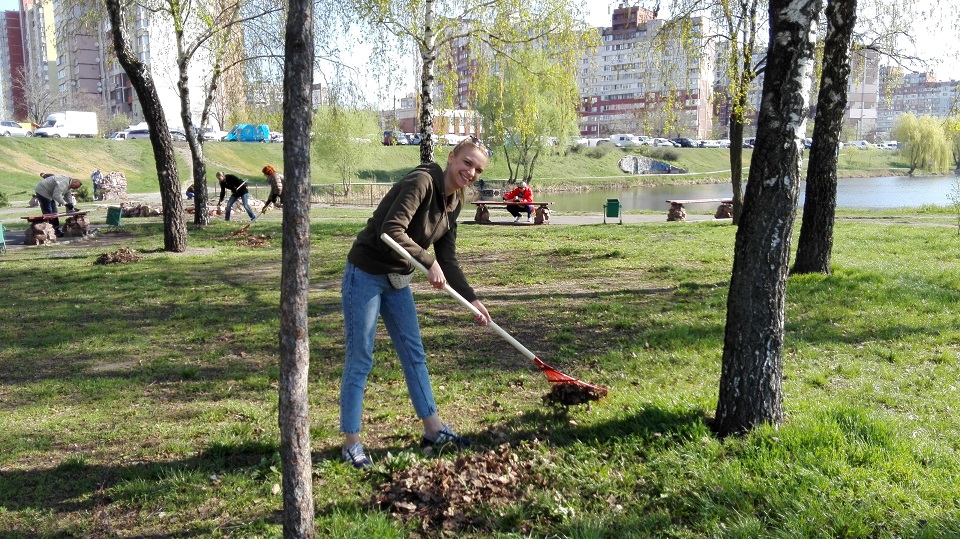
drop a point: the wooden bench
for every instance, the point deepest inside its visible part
(47, 217)
(677, 213)
(541, 211)
(75, 225)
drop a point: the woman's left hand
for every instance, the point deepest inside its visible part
(486, 315)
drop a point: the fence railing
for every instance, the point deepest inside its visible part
(361, 194)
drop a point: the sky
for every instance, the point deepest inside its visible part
(933, 42)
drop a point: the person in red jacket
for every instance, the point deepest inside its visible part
(524, 195)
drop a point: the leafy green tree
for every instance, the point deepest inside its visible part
(923, 142)
(340, 136)
(529, 105)
(440, 30)
(174, 228)
(951, 127)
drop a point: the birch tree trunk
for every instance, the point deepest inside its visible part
(174, 228)
(294, 413)
(751, 378)
(815, 245)
(428, 52)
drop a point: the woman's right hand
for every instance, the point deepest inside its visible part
(435, 276)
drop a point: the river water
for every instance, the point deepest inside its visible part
(852, 193)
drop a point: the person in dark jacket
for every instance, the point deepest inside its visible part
(419, 211)
(238, 191)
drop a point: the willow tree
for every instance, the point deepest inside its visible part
(527, 96)
(437, 28)
(923, 143)
(751, 378)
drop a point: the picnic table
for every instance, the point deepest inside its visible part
(541, 212)
(677, 213)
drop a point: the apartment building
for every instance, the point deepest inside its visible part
(68, 61)
(644, 78)
(918, 93)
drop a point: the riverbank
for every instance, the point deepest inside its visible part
(21, 160)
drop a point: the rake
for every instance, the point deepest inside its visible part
(553, 375)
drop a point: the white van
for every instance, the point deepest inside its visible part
(625, 140)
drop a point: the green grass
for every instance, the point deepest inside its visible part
(141, 399)
(21, 160)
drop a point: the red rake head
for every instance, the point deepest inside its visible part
(556, 377)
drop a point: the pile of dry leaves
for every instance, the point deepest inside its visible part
(246, 239)
(450, 496)
(124, 255)
(569, 394)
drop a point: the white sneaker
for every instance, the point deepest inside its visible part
(528, 218)
(517, 220)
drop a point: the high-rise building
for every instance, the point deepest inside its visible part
(863, 94)
(11, 64)
(917, 93)
(645, 78)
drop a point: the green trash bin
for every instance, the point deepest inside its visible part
(612, 210)
(113, 216)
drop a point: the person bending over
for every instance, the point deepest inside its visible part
(419, 211)
(238, 191)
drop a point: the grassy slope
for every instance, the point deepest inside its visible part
(22, 159)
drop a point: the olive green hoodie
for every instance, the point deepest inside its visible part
(416, 214)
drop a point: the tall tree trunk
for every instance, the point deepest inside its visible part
(751, 378)
(294, 413)
(815, 244)
(174, 228)
(428, 54)
(736, 160)
(200, 216)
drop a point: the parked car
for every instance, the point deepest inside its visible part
(724, 143)
(248, 133)
(213, 134)
(683, 143)
(13, 129)
(451, 139)
(709, 143)
(626, 140)
(413, 138)
(663, 143)
(394, 138)
(118, 135)
(749, 142)
(861, 144)
(178, 135)
(138, 134)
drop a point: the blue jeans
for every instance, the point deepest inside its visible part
(48, 206)
(365, 298)
(246, 204)
(516, 209)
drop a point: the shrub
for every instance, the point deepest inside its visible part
(83, 194)
(664, 154)
(598, 152)
(4, 202)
